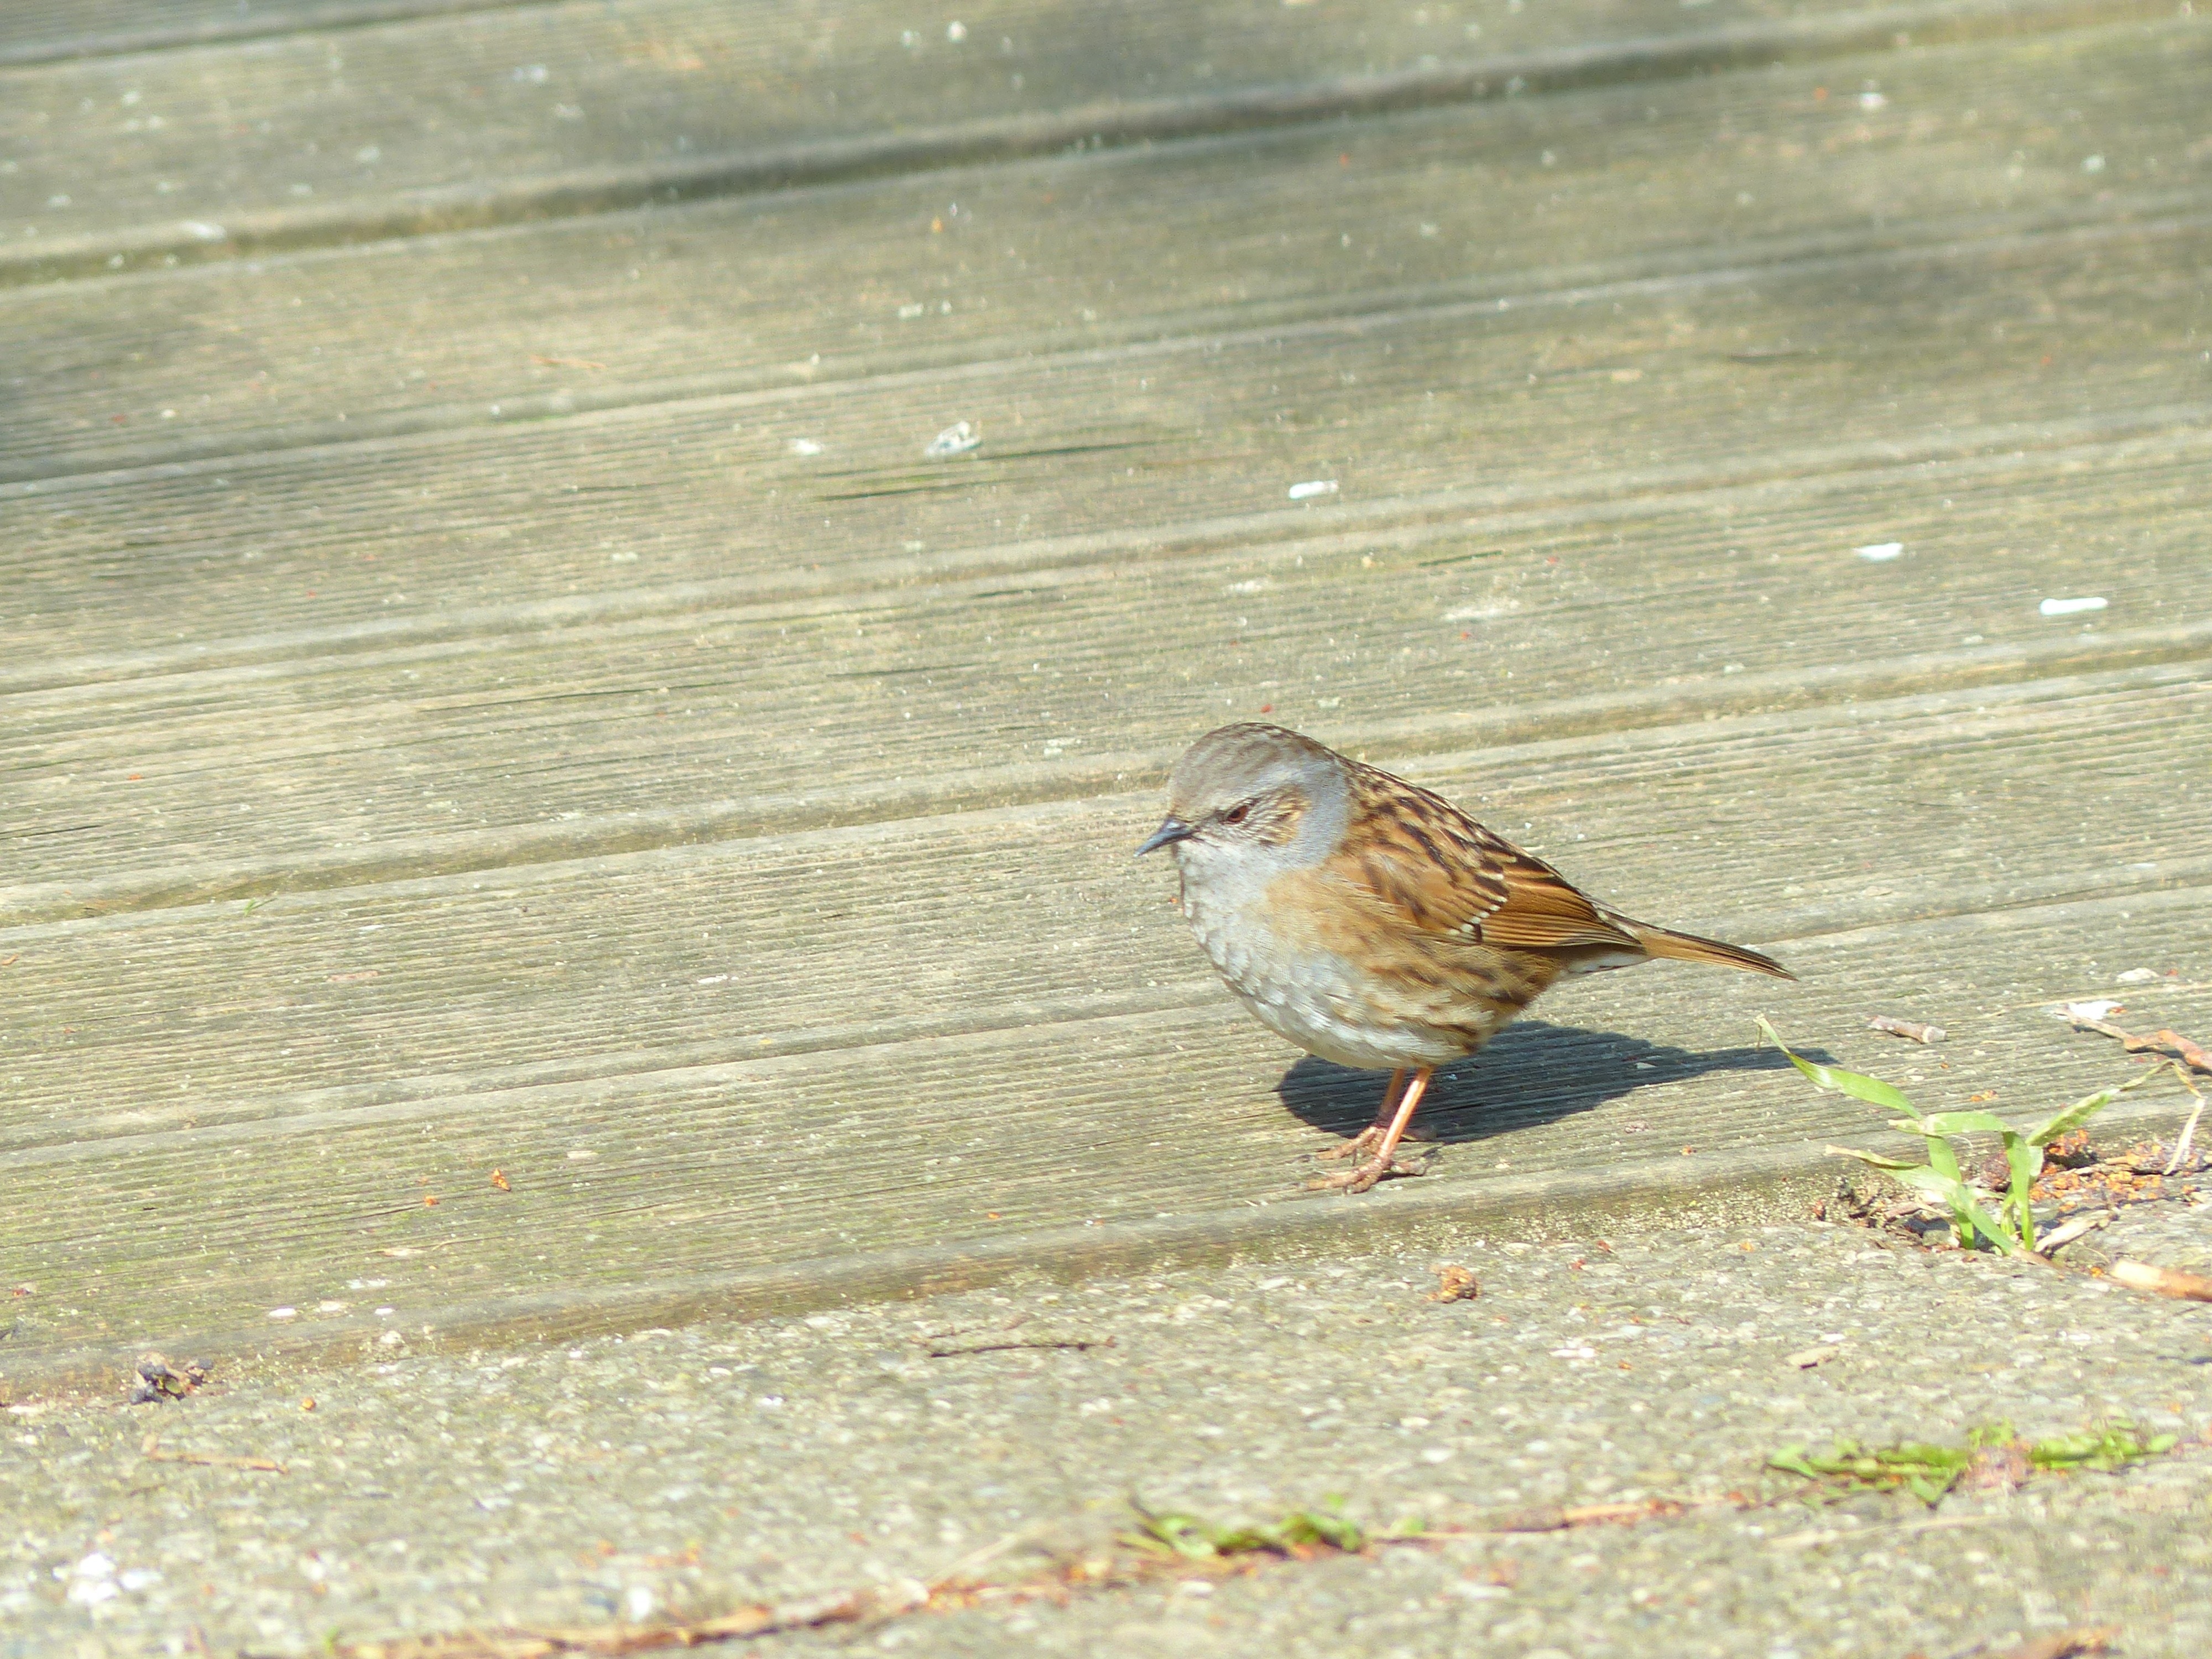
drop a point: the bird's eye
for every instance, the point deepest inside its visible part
(1238, 814)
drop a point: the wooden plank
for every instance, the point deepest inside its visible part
(761, 1069)
(462, 989)
(1608, 529)
(729, 720)
(498, 115)
(826, 290)
(56, 31)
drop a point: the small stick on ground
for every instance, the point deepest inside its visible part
(2067, 1232)
(2064, 1644)
(2192, 1054)
(2188, 1135)
(852, 1606)
(1078, 1343)
(1552, 1517)
(153, 1453)
(1906, 1029)
(2162, 1281)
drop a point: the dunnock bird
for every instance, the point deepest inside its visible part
(1375, 924)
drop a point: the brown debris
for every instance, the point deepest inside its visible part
(2192, 1054)
(1553, 1517)
(2071, 1150)
(1077, 1343)
(1997, 1469)
(158, 1380)
(2162, 1281)
(955, 1590)
(1900, 1213)
(1455, 1284)
(151, 1451)
(849, 1607)
(2065, 1644)
(1906, 1029)
(2112, 1181)
(2058, 1237)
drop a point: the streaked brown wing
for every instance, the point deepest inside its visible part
(1442, 872)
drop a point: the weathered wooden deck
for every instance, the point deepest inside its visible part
(491, 681)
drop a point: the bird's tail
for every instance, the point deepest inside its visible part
(1688, 947)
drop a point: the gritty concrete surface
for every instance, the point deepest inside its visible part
(678, 1474)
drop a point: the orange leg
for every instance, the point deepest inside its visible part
(1371, 1137)
(1385, 1163)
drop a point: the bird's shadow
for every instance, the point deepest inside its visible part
(1532, 1074)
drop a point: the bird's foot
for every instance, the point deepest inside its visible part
(1374, 1169)
(1364, 1143)
(1361, 1145)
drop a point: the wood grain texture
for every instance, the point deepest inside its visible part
(264, 778)
(466, 961)
(565, 725)
(1573, 202)
(342, 126)
(509, 115)
(57, 31)
(338, 1058)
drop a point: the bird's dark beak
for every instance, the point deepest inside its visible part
(1170, 830)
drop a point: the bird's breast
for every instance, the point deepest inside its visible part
(1352, 1006)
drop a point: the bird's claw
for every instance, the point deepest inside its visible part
(1364, 1143)
(1360, 1145)
(1367, 1175)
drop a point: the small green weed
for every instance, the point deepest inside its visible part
(1925, 1470)
(2099, 1448)
(1928, 1470)
(1192, 1538)
(2008, 1227)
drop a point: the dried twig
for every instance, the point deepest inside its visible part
(151, 1449)
(2188, 1135)
(849, 1606)
(948, 1589)
(2192, 1054)
(2067, 1232)
(2187, 1056)
(2163, 1281)
(1906, 1029)
(1078, 1343)
(1553, 1517)
(2064, 1644)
